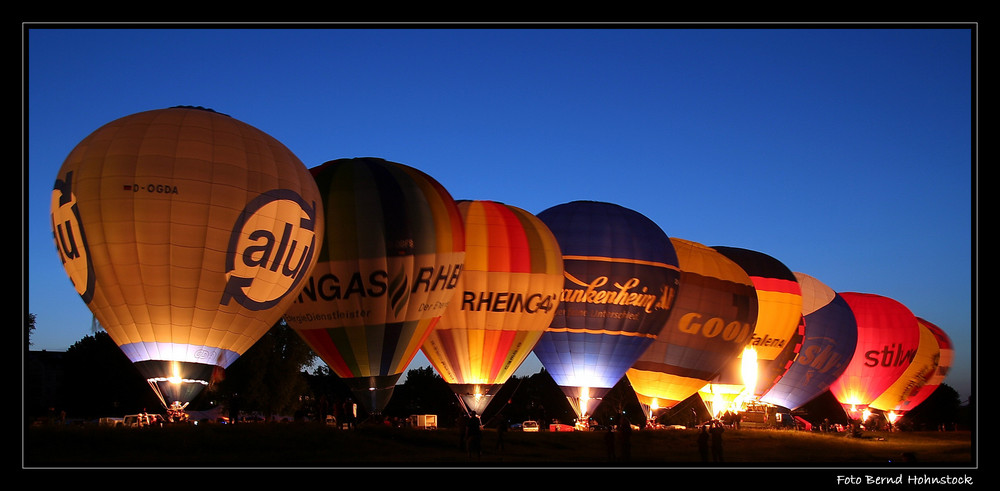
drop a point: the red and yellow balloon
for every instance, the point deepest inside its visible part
(945, 358)
(187, 233)
(925, 373)
(888, 339)
(504, 301)
(777, 337)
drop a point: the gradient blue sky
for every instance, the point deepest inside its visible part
(847, 153)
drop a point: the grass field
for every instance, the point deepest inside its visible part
(290, 445)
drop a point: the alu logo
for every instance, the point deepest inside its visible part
(268, 242)
(70, 238)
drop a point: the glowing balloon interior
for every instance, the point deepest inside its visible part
(187, 233)
(778, 330)
(888, 337)
(711, 321)
(390, 263)
(621, 278)
(509, 291)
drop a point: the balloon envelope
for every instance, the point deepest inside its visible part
(621, 277)
(831, 335)
(187, 233)
(505, 298)
(918, 374)
(711, 321)
(388, 268)
(888, 338)
(946, 355)
(778, 330)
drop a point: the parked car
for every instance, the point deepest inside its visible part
(530, 426)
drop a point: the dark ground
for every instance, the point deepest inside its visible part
(292, 445)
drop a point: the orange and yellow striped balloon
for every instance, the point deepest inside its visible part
(506, 297)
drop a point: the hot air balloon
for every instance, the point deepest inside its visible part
(778, 332)
(187, 233)
(831, 334)
(621, 278)
(388, 268)
(888, 338)
(711, 321)
(509, 289)
(923, 372)
(946, 355)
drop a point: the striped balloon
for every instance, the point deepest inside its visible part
(505, 298)
(388, 268)
(778, 330)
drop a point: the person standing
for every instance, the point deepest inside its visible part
(717, 430)
(609, 443)
(501, 429)
(625, 436)
(703, 438)
(474, 435)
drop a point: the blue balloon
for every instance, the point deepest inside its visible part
(621, 278)
(831, 336)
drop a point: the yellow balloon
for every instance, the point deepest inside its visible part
(506, 297)
(923, 366)
(188, 234)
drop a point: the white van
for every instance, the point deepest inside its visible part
(530, 426)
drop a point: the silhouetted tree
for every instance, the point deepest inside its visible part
(942, 407)
(29, 327)
(268, 377)
(424, 392)
(101, 381)
(327, 394)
